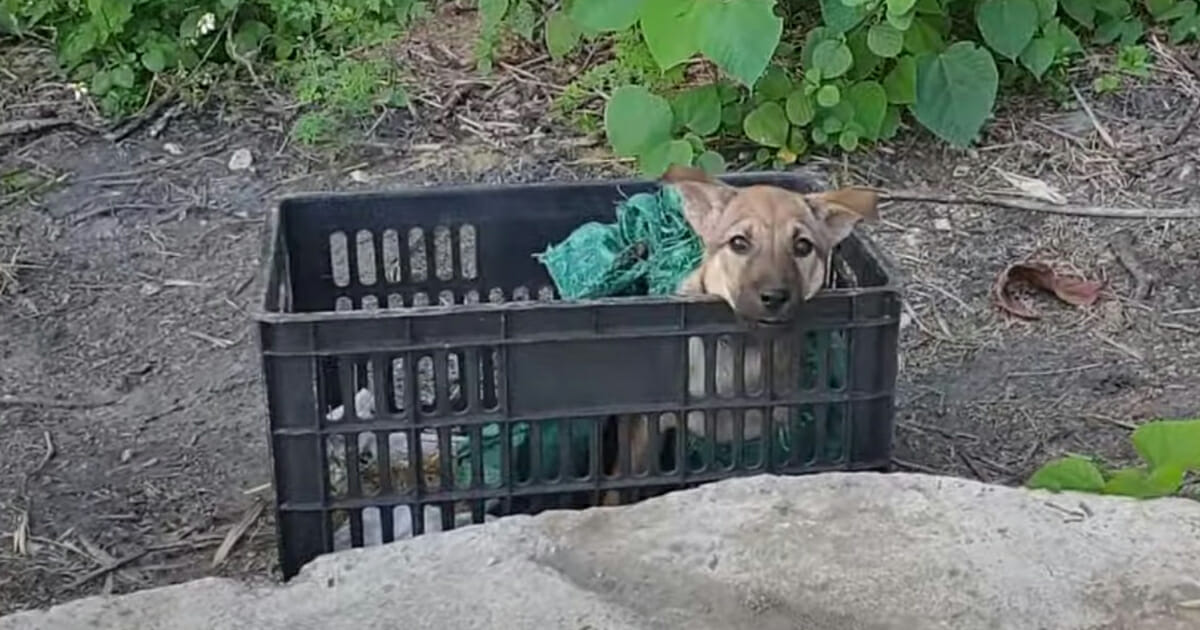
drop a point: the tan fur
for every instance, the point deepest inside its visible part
(770, 222)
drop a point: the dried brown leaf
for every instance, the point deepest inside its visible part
(1070, 289)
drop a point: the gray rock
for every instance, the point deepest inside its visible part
(823, 552)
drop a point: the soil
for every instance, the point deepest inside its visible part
(131, 406)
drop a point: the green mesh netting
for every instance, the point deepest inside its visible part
(648, 251)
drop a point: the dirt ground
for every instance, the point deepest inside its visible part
(132, 423)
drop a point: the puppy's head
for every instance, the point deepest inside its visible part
(766, 249)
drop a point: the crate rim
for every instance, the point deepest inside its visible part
(262, 314)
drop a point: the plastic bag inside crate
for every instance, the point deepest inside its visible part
(346, 315)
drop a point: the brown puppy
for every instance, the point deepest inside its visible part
(766, 251)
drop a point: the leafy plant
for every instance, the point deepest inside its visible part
(1131, 60)
(1169, 448)
(339, 90)
(852, 79)
(122, 50)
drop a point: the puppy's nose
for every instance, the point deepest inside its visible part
(774, 299)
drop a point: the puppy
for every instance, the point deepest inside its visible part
(767, 250)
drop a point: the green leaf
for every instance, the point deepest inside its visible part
(189, 28)
(902, 21)
(492, 12)
(899, 7)
(249, 37)
(655, 161)
(1068, 473)
(956, 91)
(561, 34)
(1065, 40)
(523, 19)
(829, 96)
(101, 83)
(1113, 8)
(870, 106)
(1169, 443)
(800, 108)
(1184, 28)
(112, 14)
(819, 136)
(1038, 56)
(1136, 482)
(885, 40)
(848, 140)
(1131, 31)
(1047, 9)
(711, 162)
(930, 7)
(839, 17)
(832, 58)
(605, 15)
(1082, 11)
(901, 83)
(865, 61)
(891, 123)
(797, 141)
(698, 109)
(78, 44)
(1007, 26)
(8, 22)
(923, 37)
(739, 37)
(1184, 9)
(774, 85)
(669, 28)
(123, 77)
(831, 125)
(767, 125)
(1158, 7)
(815, 37)
(1108, 30)
(636, 120)
(696, 141)
(154, 59)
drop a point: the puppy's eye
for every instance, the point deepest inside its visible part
(802, 247)
(739, 244)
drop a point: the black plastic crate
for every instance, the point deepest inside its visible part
(418, 326)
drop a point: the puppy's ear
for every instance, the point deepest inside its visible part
(703, 198)
(839, 210)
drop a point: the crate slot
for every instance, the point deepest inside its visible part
(393, 272)
(339, 259)
(365, 259)
(418, 261)
(468, 253)
(443, 253)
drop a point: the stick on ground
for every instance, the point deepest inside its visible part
(1037, 206)
(1122, 246)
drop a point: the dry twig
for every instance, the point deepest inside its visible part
(1122, 246)
(18, 127)
(236, 532)
(1087, 109)
(1031, 205)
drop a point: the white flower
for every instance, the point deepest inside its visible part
(79, 89)
(207, 24)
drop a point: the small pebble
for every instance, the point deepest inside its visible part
(942, 224)
(241, 160)
(126, 456)
(173, 149)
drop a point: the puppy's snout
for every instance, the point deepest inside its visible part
(774, 299)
